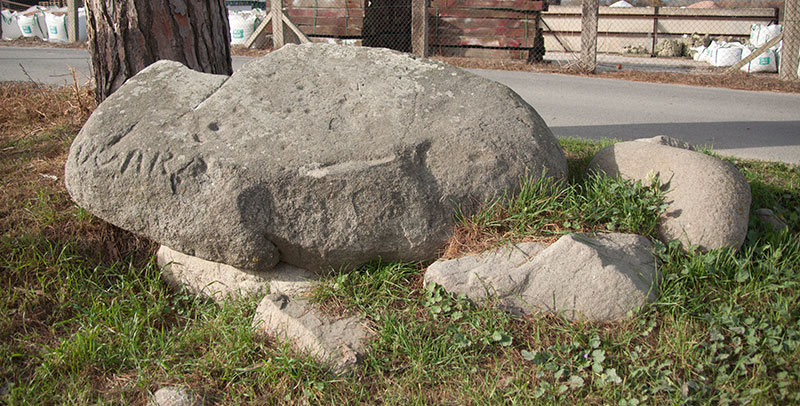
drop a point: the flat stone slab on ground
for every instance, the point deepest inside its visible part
(600, 277)
(496, 273)
(337, 343)
(217, 281)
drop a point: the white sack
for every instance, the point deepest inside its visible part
(761, 34)
(243, 24)
(698, 53)
(725, 54)
(10, 26)
(766, 62)
(31, 23)
(56, 20)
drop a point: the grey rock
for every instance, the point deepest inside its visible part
(768, 217)
(337, 343)
(320, 156)
(291, 280)
(670, 48)
(708, 199)
(497, 273)
(598, 277)
(219, 281)
(174, 396)
(668, 141)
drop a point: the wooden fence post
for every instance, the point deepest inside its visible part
(791, 40)
(589, 15)
(72, 20)
(419, 27)
(276, 9)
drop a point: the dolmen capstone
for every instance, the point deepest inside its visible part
(708, 199)
(319, 156)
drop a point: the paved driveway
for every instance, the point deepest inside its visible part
(759, 125)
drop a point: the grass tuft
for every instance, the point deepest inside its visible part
(545, 209)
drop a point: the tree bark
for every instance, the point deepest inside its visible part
(125, 36)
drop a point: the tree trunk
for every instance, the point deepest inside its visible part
(125, 36)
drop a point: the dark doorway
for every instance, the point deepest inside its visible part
(387, 24)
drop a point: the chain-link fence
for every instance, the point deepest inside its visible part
(378, 23)
(676, 35)
(681, 35)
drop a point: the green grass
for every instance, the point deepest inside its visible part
(545, 207)
(88, 320)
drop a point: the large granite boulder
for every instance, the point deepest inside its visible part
(597, 277)
(315, 155)
(708, 199)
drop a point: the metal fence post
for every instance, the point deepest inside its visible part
(791, 40)
(589, 16)
(276, 9)
(419, 28)
(72, 20)
(655, 32)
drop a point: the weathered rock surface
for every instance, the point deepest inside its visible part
(218, 281)
(497, 273)
(338, 343)
(315, 155)
(599, 277)
(668, 141)
(709, 199)
(174, 396)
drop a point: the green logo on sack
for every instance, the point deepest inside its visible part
(763, 60)
(238, 34)
(54, 30)
(26, 29)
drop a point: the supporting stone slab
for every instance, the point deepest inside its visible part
(218, 281)
(337, 343)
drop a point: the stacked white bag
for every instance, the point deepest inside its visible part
(10, 26)
(761, 34)
(56, 19)
(723, 53)
(31, 23)
(242, 24)
(766, 62)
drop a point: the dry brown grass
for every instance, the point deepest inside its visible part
(37, 128)
(470, 238)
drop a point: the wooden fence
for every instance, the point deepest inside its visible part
(644, 26)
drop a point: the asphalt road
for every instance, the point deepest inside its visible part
(759, 125)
